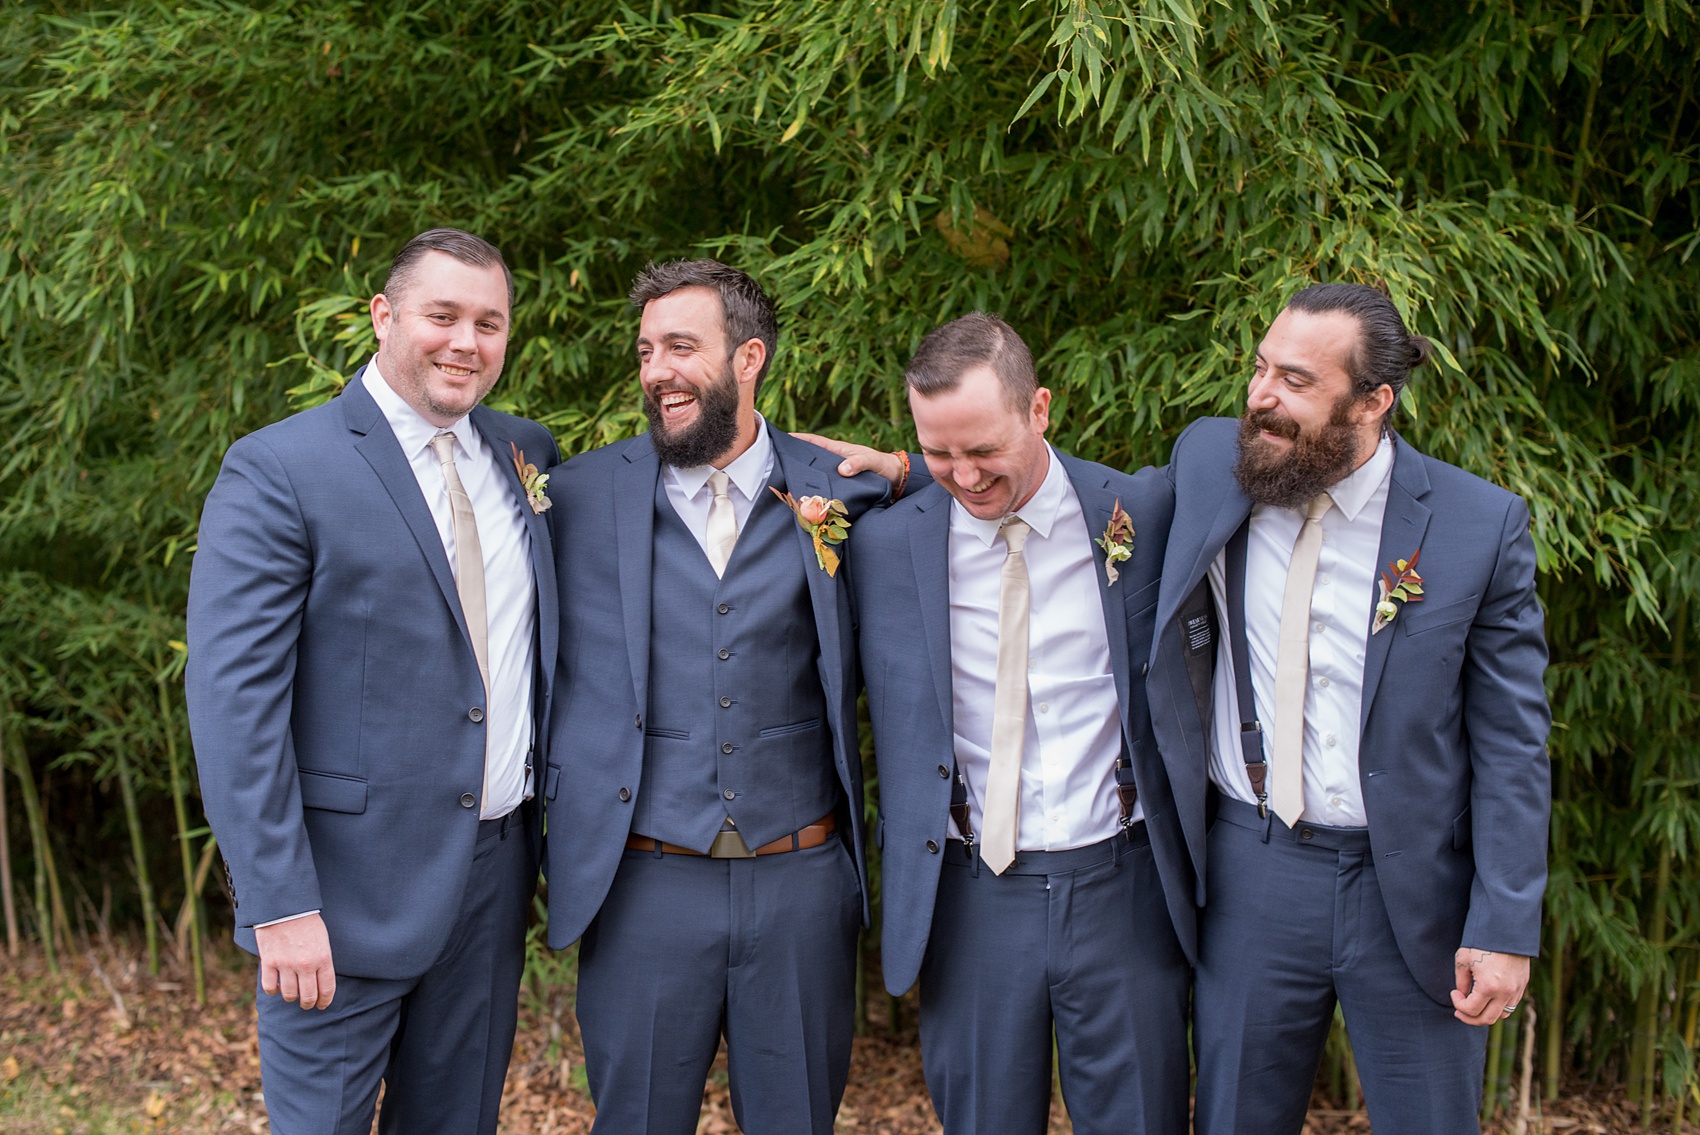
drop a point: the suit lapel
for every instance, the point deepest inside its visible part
(802, 479)
(490, 427)
(929, 550)
(634, 539)
(1098, 504)
(378, 445)
(1403, 527)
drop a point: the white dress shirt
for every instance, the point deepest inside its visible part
(689, 493)
(509, 587)
(1068, 795)
(1341, 603)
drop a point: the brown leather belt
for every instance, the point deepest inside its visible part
(730, 845)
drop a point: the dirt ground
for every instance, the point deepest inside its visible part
(102, 1048)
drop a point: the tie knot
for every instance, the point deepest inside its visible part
(1319, 504)
(1015, 532)
(719, 482)
(444, 445)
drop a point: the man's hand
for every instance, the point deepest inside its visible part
(1488, 984)
(859, 458)
(295, 959)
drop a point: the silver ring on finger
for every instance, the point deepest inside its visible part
(1508, 1010)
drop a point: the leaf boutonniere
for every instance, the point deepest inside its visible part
(1117, 542)
(532, 481)
(1400, 584)
(825, 521)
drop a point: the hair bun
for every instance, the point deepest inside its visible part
(1421, 350)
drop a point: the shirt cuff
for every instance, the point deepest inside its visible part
(286, 918)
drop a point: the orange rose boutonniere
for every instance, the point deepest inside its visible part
(825, 521)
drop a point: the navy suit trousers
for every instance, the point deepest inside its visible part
(1294, 923)
(687, 949)
(1077, 944)
(439, 1042)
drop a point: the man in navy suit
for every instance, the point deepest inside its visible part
(1350, 643)
(371, 641)
(1034, 874)
(704, 786)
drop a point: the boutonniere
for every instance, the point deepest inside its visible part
(824, 520)
(533, 481)
(1401, 584)
(1117, 542)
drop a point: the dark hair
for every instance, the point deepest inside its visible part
(463, 246)
(976, 339)
(1385, 353)
(746, 312)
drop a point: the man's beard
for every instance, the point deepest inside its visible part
(1314, 463)
(713, 433)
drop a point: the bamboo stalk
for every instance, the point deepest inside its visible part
(1553, 1071)
(1490, 1089)
(138, 852)
(14, 944)
(49, 903)
(1645, 1049)
(180, 806)
(1522, 1125)
(1689, 1085)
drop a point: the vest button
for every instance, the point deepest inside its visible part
(640, 721)
(933, 846)
(467, 799)
(475, 714)
(725, 703)
(944, 773)
(726, 748)
(625, 795)
(723, 608)
(729, 794)
(724, 654)
(1144, 669)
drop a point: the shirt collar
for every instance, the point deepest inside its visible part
(1356, 490)
(1040, 512)
(410, 428)
(749, 470)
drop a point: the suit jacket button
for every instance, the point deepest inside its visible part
(725, 703)
(467, 799)
(726, 748)
(944, 773)
(723, 608)
(724, 654)
(475, 714)
(729, 794)
(933, 846)
(625, 795)
(1144, 669)
(640, 721)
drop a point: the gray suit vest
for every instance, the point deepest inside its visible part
(737, 722)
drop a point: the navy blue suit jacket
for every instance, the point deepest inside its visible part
(902, 587)
(1452, 758)
(604, 524)
(331, 682)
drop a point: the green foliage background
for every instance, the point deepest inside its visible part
(199, 198)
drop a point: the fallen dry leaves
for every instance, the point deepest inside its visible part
(87, 1053)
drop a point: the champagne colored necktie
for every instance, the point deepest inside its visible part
(469, 577)
(722, 535)
(1002, 814)
(1292, 667)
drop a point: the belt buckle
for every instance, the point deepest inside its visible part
(730, 845)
